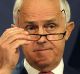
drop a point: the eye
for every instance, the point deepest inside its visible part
(50, 26)
(31, 28)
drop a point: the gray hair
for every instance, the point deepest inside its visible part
(63, 5)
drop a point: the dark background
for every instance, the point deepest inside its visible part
(72, 49)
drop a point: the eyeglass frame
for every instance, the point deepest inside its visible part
(40, 35)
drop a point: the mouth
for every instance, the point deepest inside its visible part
(36, 50)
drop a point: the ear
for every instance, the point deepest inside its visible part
(69, 28)
(17, 20)
(13, 25)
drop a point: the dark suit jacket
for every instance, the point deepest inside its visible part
(21, 70)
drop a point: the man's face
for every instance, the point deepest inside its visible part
(42, 17)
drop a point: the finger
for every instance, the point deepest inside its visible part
(18, 43)
(12, 33)
(10, 30)
(17, 37)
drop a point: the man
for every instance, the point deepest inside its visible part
(41, 28)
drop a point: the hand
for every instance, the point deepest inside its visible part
(10, 40)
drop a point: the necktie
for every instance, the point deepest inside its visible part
(46, 72)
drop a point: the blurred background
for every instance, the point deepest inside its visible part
(72, 49)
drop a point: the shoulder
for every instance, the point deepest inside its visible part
(69, 70)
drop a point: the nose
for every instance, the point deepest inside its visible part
(42, 40)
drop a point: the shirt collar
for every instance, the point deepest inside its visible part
(31, 70)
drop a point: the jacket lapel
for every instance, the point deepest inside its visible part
(23, 71)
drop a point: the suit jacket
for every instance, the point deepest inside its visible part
(21, 70)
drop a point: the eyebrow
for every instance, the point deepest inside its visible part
(45, 21)
(29, 23)
(50, 21)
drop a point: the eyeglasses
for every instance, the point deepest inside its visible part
(50, 37)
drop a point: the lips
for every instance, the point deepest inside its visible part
(35, 50)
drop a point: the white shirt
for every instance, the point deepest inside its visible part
(31, 70)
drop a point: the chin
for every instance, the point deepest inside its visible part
(46, 65)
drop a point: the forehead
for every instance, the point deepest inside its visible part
(40, 9)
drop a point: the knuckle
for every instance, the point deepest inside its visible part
(4, 46)
(7, 30)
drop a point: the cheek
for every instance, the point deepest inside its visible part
(28, 52)
(27, 49)
(59, 48)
